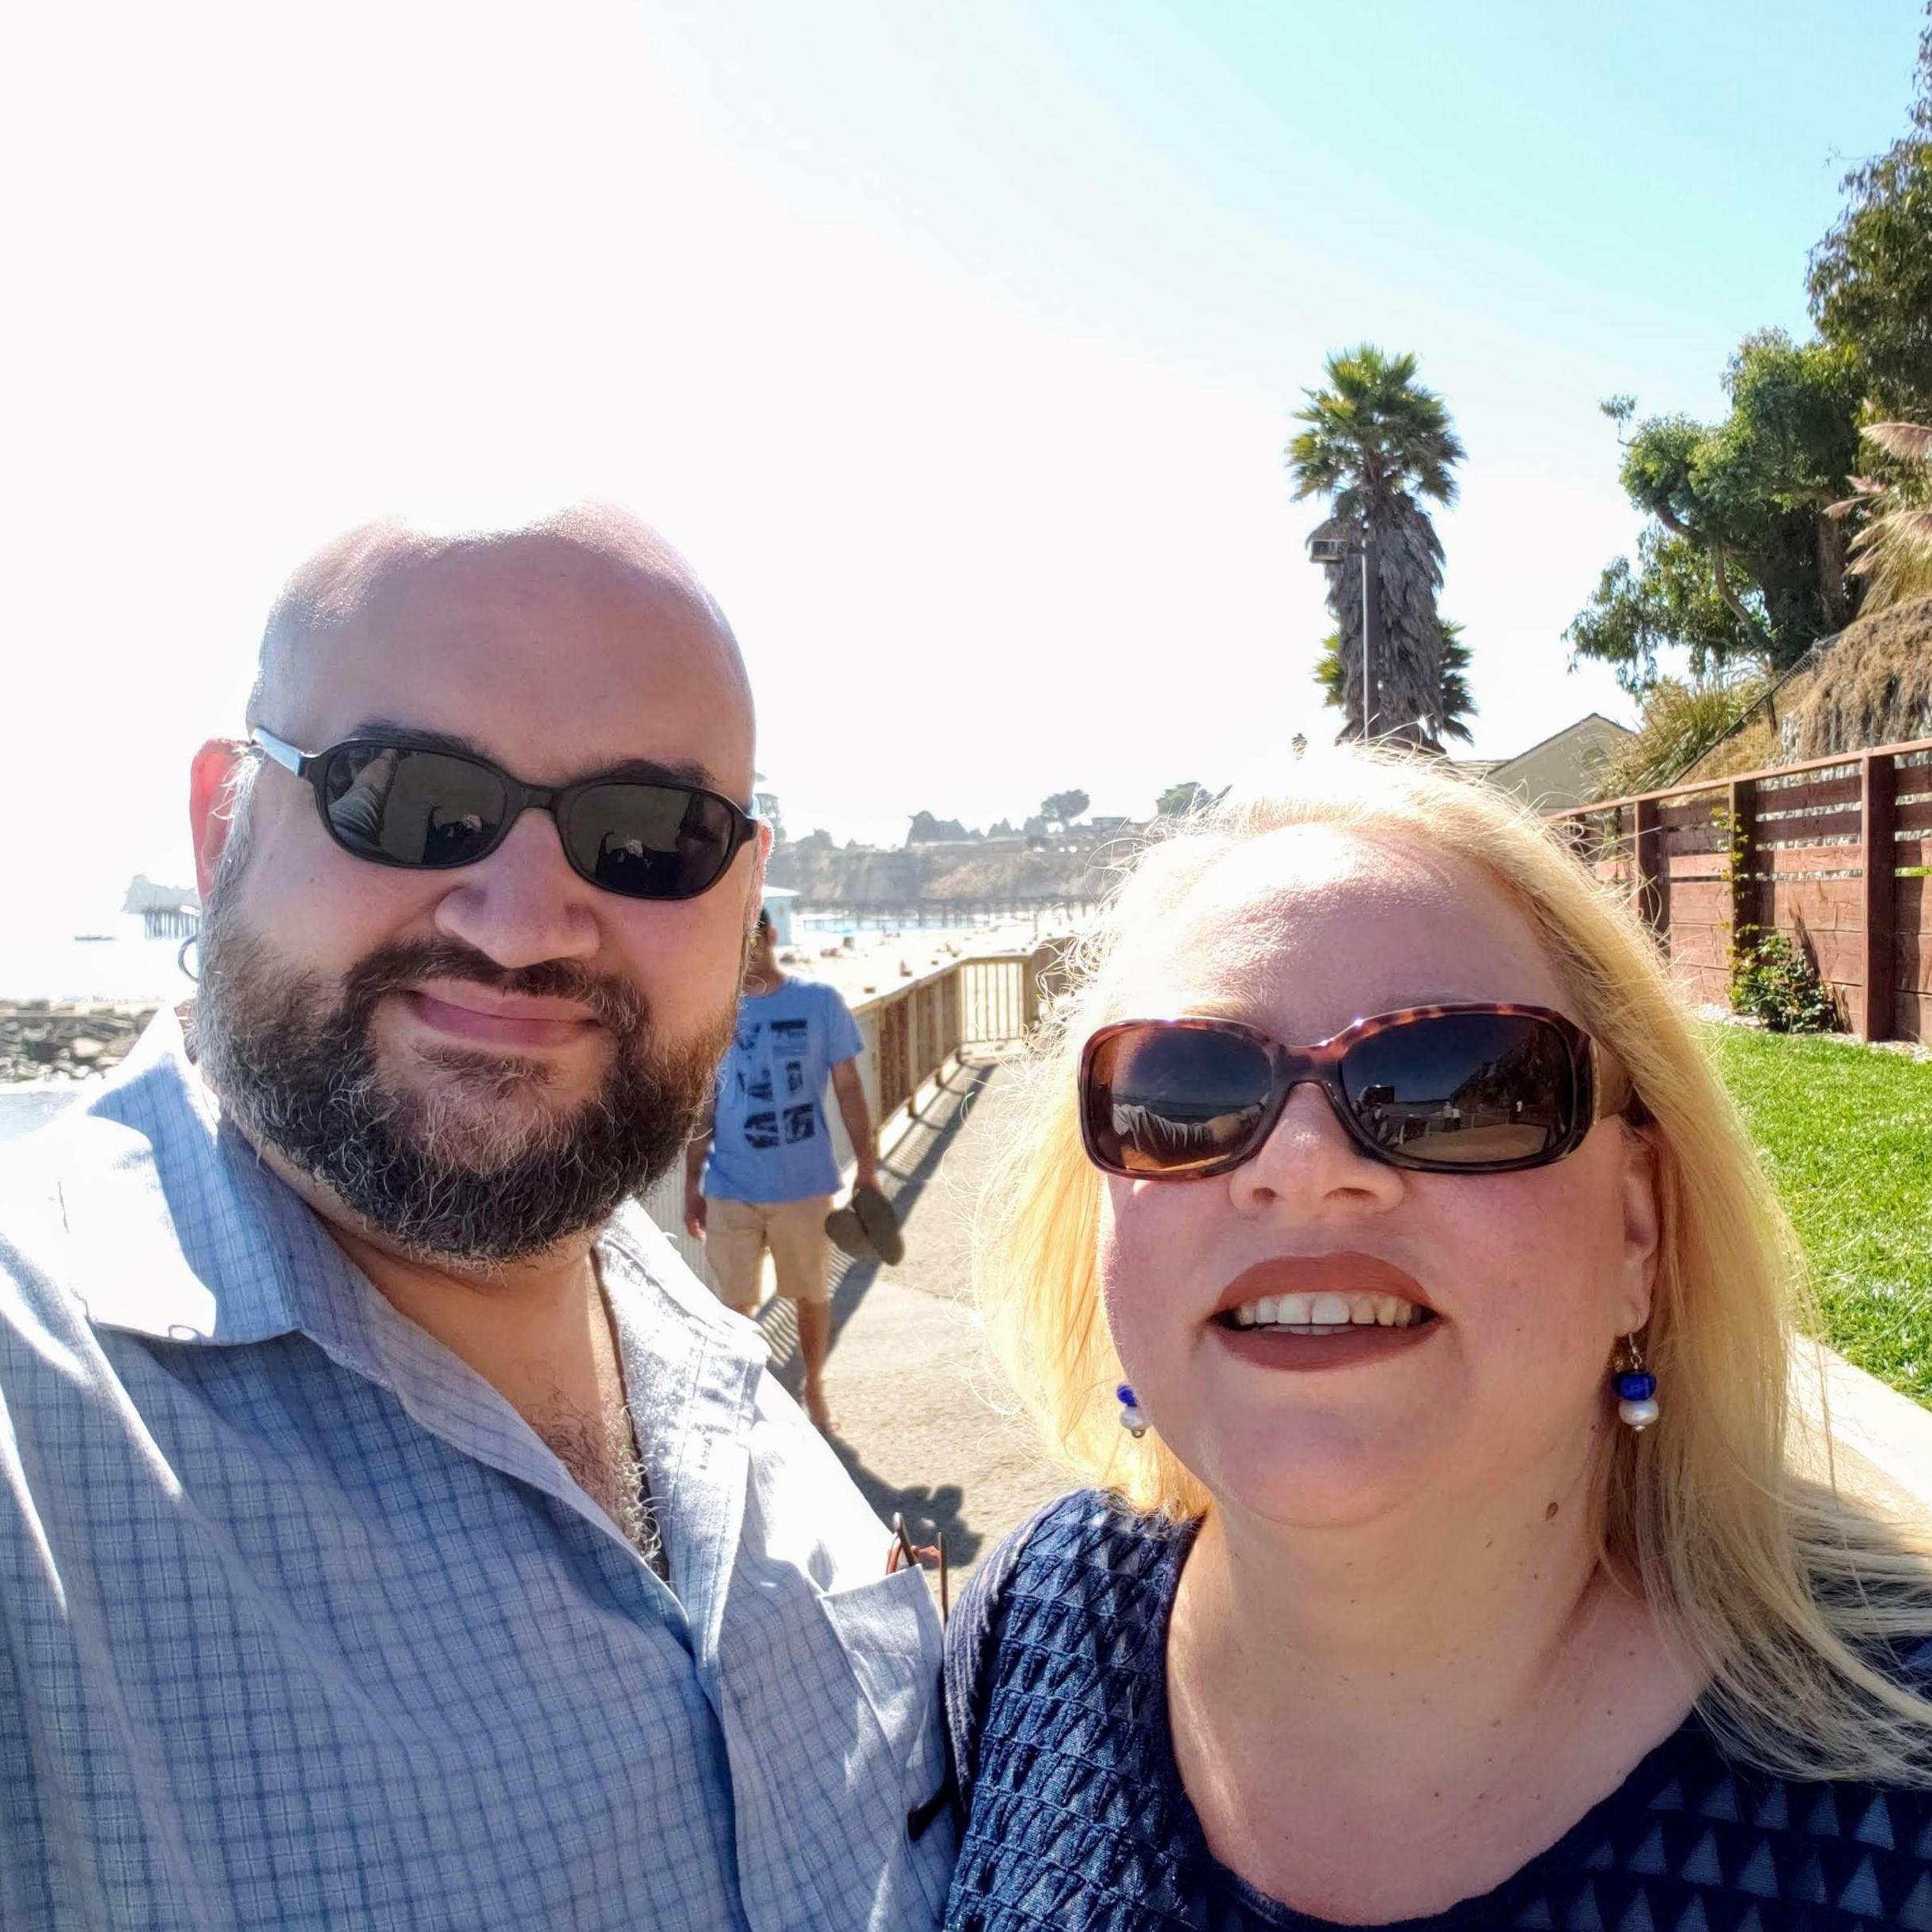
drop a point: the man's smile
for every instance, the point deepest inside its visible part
(465, 1011)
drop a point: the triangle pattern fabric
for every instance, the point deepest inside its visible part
(1079, 1821)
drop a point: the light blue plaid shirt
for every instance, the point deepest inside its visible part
(300, 1625)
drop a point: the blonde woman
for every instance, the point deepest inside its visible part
(1379, 1246)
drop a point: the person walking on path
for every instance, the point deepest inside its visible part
(761, 1173)
(394, 1534)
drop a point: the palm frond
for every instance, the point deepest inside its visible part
(1910, 442)
(1893, 554)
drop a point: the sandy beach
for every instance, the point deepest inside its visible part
(877, 962)
(53, 1052)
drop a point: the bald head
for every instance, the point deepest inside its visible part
(590, 577)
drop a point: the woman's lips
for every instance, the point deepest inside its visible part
(1346, 1274)
(1302, 1312)
(507, 1023)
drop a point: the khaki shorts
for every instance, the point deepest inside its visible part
(736, 1234)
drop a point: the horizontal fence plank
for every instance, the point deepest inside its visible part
(1796, 862)
(1700, 902)
(1809, 828)
(1811, 794)
(1700, 811)
(1705, 837)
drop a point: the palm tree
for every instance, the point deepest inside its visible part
(1455, 703)
(1893, 552)
(1377, 444)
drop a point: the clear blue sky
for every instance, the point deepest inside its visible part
(956, 344)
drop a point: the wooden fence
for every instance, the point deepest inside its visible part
(1835, 854)
(913, 1035)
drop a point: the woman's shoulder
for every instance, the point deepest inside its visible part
(1089, 1533)
(1077, 1576)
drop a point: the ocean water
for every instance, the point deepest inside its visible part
(22, 1109)
(124, 965)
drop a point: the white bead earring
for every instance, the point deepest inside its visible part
(1636, 1388)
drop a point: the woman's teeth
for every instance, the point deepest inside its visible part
(1326, 1314)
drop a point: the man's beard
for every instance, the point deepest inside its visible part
(475, 1167)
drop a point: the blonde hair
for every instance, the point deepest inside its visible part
(1780, 1591)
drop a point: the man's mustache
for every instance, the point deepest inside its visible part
(407, 964)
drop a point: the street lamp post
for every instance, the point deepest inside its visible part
(1332, 549)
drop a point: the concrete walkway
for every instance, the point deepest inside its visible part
(922, 1426)
(928, 1431)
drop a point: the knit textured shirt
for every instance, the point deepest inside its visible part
(1078, 1819)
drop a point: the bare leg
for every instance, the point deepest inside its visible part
(814, 1341)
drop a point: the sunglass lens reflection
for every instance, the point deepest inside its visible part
(1462, 1089)
(1165, 1100)
(650, 841)
(411, 808)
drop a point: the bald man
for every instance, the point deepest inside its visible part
(393, 1533)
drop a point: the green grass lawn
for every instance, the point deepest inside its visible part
(1847, 1134)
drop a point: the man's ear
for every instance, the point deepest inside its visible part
(211, 782)
(1643, 1225)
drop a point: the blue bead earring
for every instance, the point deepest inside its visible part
(1636, 1388)
(1132, 1419)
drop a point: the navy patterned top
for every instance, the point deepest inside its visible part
(1076, 1820)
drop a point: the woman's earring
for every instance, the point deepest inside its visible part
(1636, 1388)
(1132, 1419)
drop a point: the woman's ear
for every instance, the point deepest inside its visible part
(1643, 1225)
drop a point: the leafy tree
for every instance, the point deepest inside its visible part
(1743, 562)
(1455, 703)
(1871, 277)
(1378, 445)
(1669, 597)
(1063, 808)
(1179, 801)
(1893, 553)
(927, 830)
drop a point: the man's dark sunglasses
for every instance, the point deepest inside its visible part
(399, 803)
(1463, 1089)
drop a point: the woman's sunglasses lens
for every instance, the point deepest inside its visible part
(411, 808)
(1462, 1089)
(1168, 1100)
(650, 841)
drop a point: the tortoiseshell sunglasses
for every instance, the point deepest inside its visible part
(1454, 1090)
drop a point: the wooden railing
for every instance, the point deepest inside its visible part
(1834, 853)
(913, 1035)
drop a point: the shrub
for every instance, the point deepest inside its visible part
(1774, 982)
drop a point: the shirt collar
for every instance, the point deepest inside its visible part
(174, 1226)
(180, 1230)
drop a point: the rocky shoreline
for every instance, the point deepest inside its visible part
(67, 1040)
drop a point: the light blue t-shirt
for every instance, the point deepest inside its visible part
(770, 1141)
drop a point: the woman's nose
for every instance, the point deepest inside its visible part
(1309, 1166)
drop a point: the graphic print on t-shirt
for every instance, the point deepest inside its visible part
(771, 1140)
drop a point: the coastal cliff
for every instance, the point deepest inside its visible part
(995, 871)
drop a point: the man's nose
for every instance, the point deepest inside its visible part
(1309, 1166)
(523, 904)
